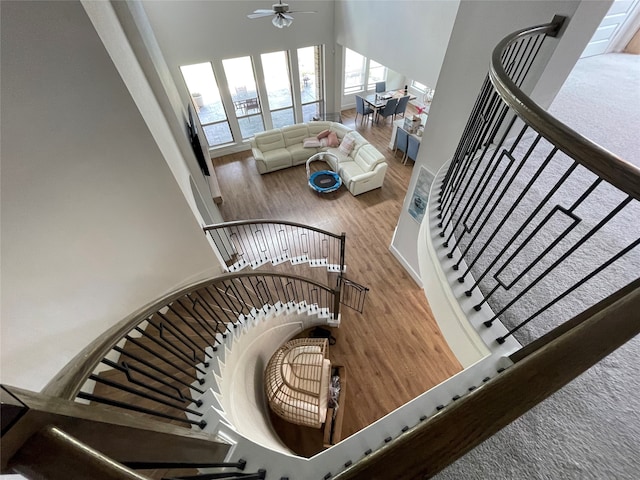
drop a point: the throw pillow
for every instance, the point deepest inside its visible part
(323, 134)
(347, 145)
(333, 140)
(311, 142)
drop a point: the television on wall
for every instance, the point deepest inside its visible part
(194, 139)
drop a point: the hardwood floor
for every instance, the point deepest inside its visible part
(394, 351)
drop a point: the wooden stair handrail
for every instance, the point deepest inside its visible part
(67, 383)
(608, 166)
(119, 435)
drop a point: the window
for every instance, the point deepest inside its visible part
(377, 73)
(203, 88)
(311, 85)
(361, 73)
(277, 80)
(279, 104)
(419, 86)
(243, 91)
(354, 72)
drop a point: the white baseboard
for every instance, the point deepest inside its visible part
(406, 265)
(222, 151)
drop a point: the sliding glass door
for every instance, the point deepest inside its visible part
(244, 94)
(203, 88)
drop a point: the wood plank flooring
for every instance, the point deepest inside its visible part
(394, 351)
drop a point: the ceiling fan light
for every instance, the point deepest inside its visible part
(281, 22)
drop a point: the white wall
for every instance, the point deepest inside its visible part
(408, 36)
(93, 223)
(478, 27)
(131, 44)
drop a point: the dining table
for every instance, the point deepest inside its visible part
(379, 100)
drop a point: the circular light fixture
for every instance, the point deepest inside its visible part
(281, 21)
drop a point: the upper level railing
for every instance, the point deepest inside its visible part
(252, 243)
(537, 216)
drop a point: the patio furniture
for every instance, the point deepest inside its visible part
(251, 104)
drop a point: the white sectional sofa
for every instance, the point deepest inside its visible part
(361, 170)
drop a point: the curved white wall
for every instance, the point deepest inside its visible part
(478, 27)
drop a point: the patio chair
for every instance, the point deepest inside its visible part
(402, 106)
(388, 110)
(402, 142)
(251, 104)
(362, 108)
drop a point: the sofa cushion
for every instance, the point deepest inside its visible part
(269, 140)
(340, 129)
(368, 157)
(294, 134)
(347, 144)
(316, 127)
(340, 156)
(332, 140)
(359, 142)
(311, 142)
(277, 159)
(300, 154)
(349, 169)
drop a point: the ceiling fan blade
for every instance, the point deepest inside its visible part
(260, 15)
(287, 16)
(299, 11)
(263, 10)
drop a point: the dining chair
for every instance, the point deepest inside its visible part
(412, 149)
(402, 106)
(402, 142)
(381, 87)
(388, 110)
(362, 108)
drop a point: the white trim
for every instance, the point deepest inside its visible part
(407, 266)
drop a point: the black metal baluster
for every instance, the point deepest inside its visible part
(136, 408)
(572, 288)
(127, 369)
(160, 370)
(521, 247)
(141, 394)
(510, 211)
(168, 325)
(577, 245)
(168, 346)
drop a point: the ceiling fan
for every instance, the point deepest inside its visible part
(280, 12)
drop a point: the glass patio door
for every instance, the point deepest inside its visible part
(244, 94)
(202, 85)
(278, 84)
